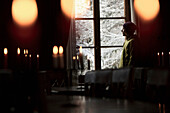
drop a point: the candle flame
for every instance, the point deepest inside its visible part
(87, 57)
(38, 55)
(169, 53)
(158, 53)
(18, 51)
(80, 49)
(5, 51)
(25, 51)
(25, 55)
(162, 53)
(30, 55)
(55, 50)
(77, 57)
(74, 58)
(60, 50)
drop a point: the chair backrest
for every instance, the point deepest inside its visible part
(121, 75)
(103, 76)
(90, 77)
(121, 82)
(139, 82)
(6, 81)
(5, 76)
(157, 84)
(158, 77)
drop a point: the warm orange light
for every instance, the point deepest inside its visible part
(67, 7)
(38, 55)
(147, 9)
(158, 53)
(72, 7)
(26, 51)
(80, 49)
(61, 50)
(162, 53)
(5, 51)
(24, 12)
(30, 55)
(18, 51)
(26, 55)
(74, 58)
(77, 57)
(55, 50)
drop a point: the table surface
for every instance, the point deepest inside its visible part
(82, 104)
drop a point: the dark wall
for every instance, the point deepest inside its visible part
(51, 28)
(155, 36)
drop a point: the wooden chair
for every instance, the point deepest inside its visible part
(121, 83)
(158, 86)
(139, 82)
(89, 83)
(96, 82)
(102, 82)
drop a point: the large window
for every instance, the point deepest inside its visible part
(110, 14)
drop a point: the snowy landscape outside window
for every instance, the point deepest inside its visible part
(110, 32)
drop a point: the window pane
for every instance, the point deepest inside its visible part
(110, 57)
(111, 34)
(111, 8)
(84, 33)
(83, 8)
(87, 53)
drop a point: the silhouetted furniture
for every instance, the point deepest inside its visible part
(7, 90)
(89, 82)
(139, 82)
(44, 82)
(121, 85)
(51, 78)
(97, 82)
(158, 86)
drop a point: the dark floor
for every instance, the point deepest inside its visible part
(82, 104)
(73, 100)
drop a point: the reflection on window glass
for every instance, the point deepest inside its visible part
(88, 53)
(111, 34)
(84, 33)
(110, 57)
(83, 8)
(112, 8)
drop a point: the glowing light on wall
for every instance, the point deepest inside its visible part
(24, 12)
(55, 50)
(147, 9)
(72, 7)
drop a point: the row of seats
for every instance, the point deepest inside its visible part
(151, 84)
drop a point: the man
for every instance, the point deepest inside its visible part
(130, 54)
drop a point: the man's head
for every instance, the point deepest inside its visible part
(129, 28)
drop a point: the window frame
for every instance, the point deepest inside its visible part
(96, 21)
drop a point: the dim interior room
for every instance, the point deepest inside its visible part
(73, 47)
